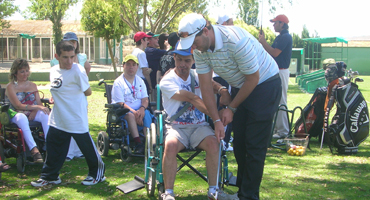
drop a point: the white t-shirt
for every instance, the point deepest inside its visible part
(170, 84)
(67, 87)
(143, 62)
(123, 92)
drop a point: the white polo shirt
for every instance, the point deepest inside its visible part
(143, 62)
(237, 53)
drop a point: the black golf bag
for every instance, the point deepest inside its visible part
(313, 114)
(350, 124)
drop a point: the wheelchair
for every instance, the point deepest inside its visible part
(154, 149)
(12, 142)
(117, 134)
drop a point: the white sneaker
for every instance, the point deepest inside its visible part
(89, 180)
(41, 182)
(166, 196)
(223, 196)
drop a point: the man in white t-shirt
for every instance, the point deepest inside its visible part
(129, 90)
(141, 40)
(190, 129)
(69, 84)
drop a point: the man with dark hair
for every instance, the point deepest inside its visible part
(69, 84)
(236, 56)
(141, 40)
(153, 55)
(281, 51)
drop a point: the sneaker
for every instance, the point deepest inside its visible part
(89, 180)
(140, 149)
(80, 157)
(223, 196)
(166, 196)
(277, 136)
(41, 182)
(68, 159)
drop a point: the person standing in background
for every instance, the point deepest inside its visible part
(281, 51)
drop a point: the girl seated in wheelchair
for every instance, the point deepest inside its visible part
(24, 98)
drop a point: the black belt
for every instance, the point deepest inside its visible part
(276, 76)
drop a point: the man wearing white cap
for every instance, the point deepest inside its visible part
(236, 56)
(281, 50)
(225, 20)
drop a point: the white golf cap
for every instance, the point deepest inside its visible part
(222, 18)
(189, 26)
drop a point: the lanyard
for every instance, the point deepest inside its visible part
(132, 89)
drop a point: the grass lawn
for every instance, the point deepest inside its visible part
(316, 175)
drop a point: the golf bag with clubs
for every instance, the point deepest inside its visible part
(350, 124)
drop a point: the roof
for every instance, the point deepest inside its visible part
(41, 27)
(326, 40)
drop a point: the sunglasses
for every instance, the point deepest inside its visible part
(187, 34)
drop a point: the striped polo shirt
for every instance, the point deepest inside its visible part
(237, 53)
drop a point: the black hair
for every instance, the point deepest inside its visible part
(64, 46)
(161, 39)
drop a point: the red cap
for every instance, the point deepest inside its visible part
(281, 18)
(140, 35)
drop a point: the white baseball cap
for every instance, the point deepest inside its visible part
(222, 18)
(189, 26)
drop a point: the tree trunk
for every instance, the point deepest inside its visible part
(145, 15)
(111, 56)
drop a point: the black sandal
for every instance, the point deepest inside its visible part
(37, 158)
(4, 167)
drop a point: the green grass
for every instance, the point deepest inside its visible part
(316, 175)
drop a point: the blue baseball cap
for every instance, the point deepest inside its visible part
(185, 52)
(70, 36)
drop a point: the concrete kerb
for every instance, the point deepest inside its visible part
(40, 71)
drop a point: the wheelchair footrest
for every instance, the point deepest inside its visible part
(136, 184)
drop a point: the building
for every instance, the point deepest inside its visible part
(33, 40)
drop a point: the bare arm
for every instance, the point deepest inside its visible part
(146, 73)
(274, 52)
(87, 67)
(192, 98)
(88, 92)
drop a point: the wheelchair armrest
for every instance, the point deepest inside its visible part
(45, 100)
(4, 107)
(4, 115)
(112, 106)
(152, 104)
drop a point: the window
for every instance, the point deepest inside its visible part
(4, 49)
(46, 54)
(81, 45)
(36, 48)
(102, 48)
(24, 48)
(92, 49)
(13, 48)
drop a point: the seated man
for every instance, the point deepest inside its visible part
(130, 91)
(189, 129)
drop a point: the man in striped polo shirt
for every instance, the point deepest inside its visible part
(238, 57)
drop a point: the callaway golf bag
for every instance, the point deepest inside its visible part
(350, 124)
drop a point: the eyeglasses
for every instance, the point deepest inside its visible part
(186, 34)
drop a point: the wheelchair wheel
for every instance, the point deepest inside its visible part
(125, 154)
(21, 163)
(103, 143)
(149, 152)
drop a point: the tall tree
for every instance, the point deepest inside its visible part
(248, 11)
(52, 10)
(157, 14)
(101, 19)
(7, 8)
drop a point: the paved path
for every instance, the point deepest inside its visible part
(45, 67)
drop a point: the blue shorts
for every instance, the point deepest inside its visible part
(147, 120)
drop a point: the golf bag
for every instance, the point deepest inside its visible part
(350, 124)
(313, 114)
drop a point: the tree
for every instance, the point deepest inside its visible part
(248, 11)
(270, 36)
(158, 14)
(7, 8)
(52, 10)
(101, 19)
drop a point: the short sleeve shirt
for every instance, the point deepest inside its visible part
(283, 42)
(130, 94)
(67, 87)
(237, 53)
(143, 62)
(170, 84)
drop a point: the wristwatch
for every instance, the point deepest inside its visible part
(232, 109)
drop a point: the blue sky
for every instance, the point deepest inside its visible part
(341, 18)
